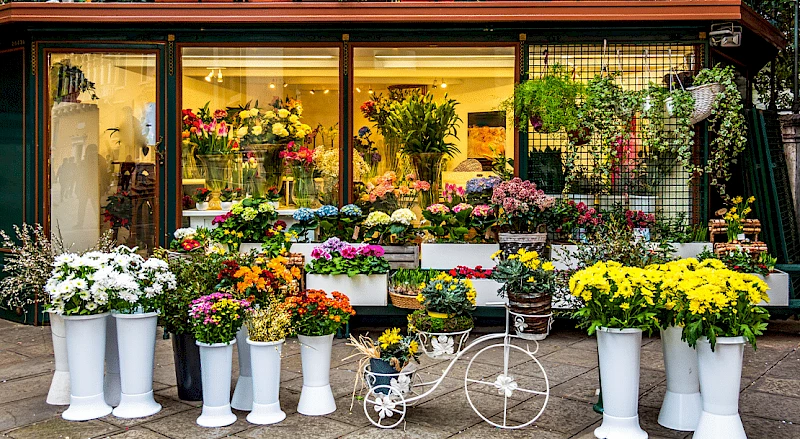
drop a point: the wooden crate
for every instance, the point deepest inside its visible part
(402, 256)
(754, 248)
(716, 227)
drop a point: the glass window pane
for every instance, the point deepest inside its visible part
(103, 172)
(477, 78)
(245, 108)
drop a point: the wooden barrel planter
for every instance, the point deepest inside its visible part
(522, 306)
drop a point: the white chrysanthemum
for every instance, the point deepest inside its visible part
(183, 233)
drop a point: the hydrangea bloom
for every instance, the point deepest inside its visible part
(327, 211)
(403, 216)
(461, 206)
(482, 184)
(377, 218)
(482, 211)
(303, 214)
(438, 208)
(351, 210)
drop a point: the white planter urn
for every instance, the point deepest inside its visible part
(111, 383)
(619, 351)
(316, 398)
(266, 356)
(243, 392)
(216, 362)
(59, 386)
(86, 344)
(136, 338)
(225, 205)
(720, 380)
(201, 206)
(682, 403)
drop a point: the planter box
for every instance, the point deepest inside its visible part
(362, 290)
(305, 248)
(246, 247)
(402, 256)
(487, 291)
(447, 256)
(689, 249)
(778, 292)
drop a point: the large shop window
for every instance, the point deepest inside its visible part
(260, 122)
(103, 173)
(624, 172)
(394, 87)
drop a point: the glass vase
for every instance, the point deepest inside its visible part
(304, 192)
(189, 168)
(428, 167)
(270, 166)
(217, 172)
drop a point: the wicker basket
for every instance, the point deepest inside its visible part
(404, 301)
(704, 96)
(717, 227)
(753, 248)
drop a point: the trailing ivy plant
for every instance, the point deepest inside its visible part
(671, 141)
(727, 123)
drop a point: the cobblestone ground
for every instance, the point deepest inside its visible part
(769, 404)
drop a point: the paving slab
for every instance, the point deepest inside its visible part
(59, 428)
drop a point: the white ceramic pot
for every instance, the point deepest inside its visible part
(226, 205)
(111, 383)
(682, 403)
(316, 398)
(362, 290)
(136, 338)
(720, 380)
(447, 256)
(59, 386)
(487, 291)
(778, 282)
(201, 206)
(644, 203)
(619, 352)
(216, 361)
(266, 356)
(86, 345)
(243, 392)
(275, 204)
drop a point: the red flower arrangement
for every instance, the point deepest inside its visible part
(295, 155)
(201, 195)
(639, 219)
(119, 210)
(314, 313)
(463, 272)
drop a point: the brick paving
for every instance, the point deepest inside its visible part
(769, 404)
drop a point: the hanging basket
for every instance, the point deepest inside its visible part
(704, 96)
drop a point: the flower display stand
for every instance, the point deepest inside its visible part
(111, 383)
(266, 382)
(136, 337)
(59, 386)
(778, 282)
(316, 397)
(242, 398)
(720, 381)
(86, 352)
(215, 366)
(682, 403)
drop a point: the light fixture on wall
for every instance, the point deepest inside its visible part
(285, 85)
(435, 85)
(370, 90)
(209, 76)
(358, 89)
(312, 91)
(219, 75)
(272, 84)
(444, 84)
(326, 91)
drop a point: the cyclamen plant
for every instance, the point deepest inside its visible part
(217, 317)
(337, 257)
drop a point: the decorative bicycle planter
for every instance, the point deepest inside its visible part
(385, 405)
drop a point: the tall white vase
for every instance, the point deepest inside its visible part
(216, 362)
(111, 382)
(682, 403)
(136, 338)
(86, 346)
(243, 392)
(720, 380)
(316, 398)
(59, 386)
(619, 351)
(266, 357)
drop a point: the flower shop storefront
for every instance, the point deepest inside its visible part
(129, 127)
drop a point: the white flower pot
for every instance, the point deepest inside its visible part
(720, 380)
(247, 247)
(111, 383)
(682, 403)
(644, 203)
(619, 351)
(201, 206)
(243, 392)
(86, 346)
(216, 361)
(225, 205)
(778, 282)
(59, 386)
(136, 337)
(362, 290)
(275, 204)
(447, 256)
(487, 291)
(266, 356)
(316, 398)
(689, 249)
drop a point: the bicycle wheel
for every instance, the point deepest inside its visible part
(385, 409)
(519, 389)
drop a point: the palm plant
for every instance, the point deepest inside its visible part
(423, 125)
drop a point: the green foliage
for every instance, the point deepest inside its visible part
(742, 261)
(668, 141)
(408, 280)
(419, 320)
(424, 126)
(524, 273)
(549, 103)
(447, 295)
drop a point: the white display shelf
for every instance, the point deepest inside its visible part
(203, 218)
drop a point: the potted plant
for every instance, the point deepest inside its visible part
(398, 235)
(136, 287)
(359, 272)
(486, 289)
(761, 265)
(522, 210)
(26, 269)
(315, 318)
(424, 129)
(385, 364)
(448, 304)
(306, 222)
(686, 240)
(722, 313)
(201, 198)
(529, 283)
(343, 225)
(191, 240)
(227, 196)
(247, 222)
(618, 305)
(216, 318)
(267, 326)
(479, 189)
(273, 195)
(85, 312)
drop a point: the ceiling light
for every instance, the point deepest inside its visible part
(285, 85)
(210, 75)
(326, 91)
(370, 90)
(358, 89)
(312, 91)
(272, 84)
(219, 75)
(444, 84)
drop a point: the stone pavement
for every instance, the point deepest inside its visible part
(770, 401)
